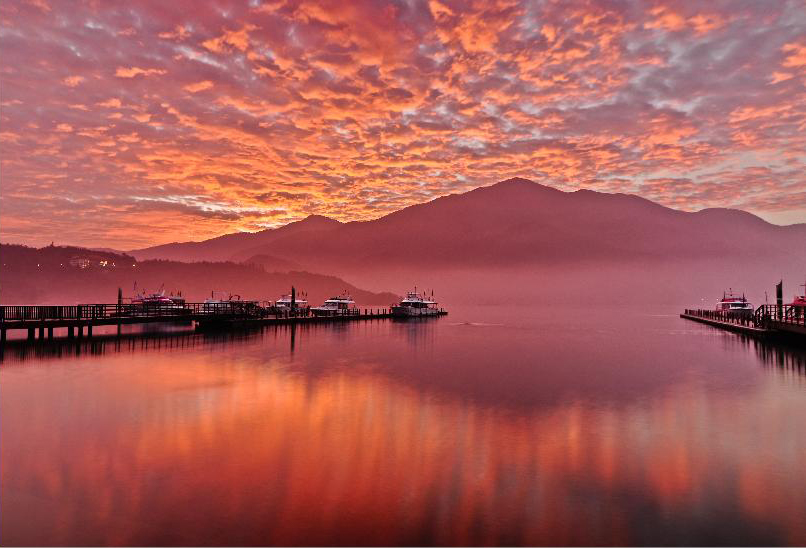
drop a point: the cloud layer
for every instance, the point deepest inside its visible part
(137, 124)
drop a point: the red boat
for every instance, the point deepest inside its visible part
(800, 300)
(734, 305)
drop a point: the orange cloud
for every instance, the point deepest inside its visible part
(667, 19)
(179, 33)
(131, 72)
(198, 86)
(238, 39)
(73, 81)
(796, 55)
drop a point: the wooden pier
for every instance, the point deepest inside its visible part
(80, 319)
(768, 321)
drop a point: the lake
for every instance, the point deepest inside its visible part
(520, 425)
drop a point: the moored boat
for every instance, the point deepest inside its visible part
(157, 300)
(229, 305)
(800, 300)
(286, 303)
(336, 306)
(415, 304)
(734, 305)
(178, 299)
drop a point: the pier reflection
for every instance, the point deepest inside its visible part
(19, 351)
(781, 356)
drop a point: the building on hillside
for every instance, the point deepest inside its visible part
(80, 262)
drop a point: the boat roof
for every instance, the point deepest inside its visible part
(416, 297)
(340, 300)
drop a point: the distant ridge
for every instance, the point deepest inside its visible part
(222, 248)
(47, 276)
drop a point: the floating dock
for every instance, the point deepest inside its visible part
(768, 321)
(80, 319)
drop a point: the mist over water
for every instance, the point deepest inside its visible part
(493, 425)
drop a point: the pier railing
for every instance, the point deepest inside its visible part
(153, 311)
(787, 314)
(746, 319)
(79, 312)
(764, 317)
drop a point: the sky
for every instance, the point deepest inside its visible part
(127, 124)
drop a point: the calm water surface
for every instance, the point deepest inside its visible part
(489, 426)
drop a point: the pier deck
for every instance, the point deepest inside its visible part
(768, 321)
(80, 318)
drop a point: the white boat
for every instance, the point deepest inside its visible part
(415, 304)
(283, 304)
(336, 306)
(157, 301)
(733, 304)
(230, 304)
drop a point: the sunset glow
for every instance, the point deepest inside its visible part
(147, 123)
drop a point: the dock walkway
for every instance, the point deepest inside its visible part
(43, 319)
(768, 320)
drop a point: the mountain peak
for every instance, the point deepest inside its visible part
(520, 183)
(314, 218)
(513, 181)
(320, 220)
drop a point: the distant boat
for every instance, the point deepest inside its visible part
(415, 304)
(335, 306)
(734, 304)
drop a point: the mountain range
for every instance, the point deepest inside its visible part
(513, 241)
(514, 222)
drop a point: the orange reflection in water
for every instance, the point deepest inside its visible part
(151, 451)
